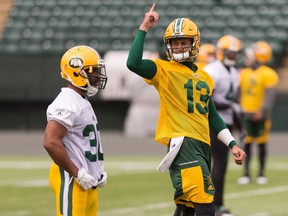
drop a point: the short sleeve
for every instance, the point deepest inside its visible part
(60, 114)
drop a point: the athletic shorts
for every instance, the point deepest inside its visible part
(71, 199)
(190, 173)
(257, 131)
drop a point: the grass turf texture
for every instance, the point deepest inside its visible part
(135, 188)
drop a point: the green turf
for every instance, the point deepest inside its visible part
(135, 188)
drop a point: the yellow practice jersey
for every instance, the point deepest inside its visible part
(184, 97)
(253, 84)
(200, 64)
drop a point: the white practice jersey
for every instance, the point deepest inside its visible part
(82, 140)
(226, 86)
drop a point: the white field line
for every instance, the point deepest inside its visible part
(238, 195)
(257, 192)
(121, 165)
(19, 213)
(25, 164)
(117, 168)
(114, 169)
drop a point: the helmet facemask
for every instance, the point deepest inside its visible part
(96, 78)
(84, 68)
(250, 60)
(228, 50)
(187, 54)
(258, 54)
(230, 57)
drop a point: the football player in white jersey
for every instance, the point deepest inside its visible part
(227, 80)
(72, 137)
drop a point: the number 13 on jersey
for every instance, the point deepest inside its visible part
(198, 100)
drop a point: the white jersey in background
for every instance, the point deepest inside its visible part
(226, 87)
(142, 114)
(82, 140)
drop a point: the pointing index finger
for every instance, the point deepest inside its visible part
(152, 8)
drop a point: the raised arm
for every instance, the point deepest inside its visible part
(143, 67)
(150, 19)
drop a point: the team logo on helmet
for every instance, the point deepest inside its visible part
(76, 62)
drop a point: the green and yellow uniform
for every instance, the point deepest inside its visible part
(253, 85)
(70, 195)
(184, 98)
(186, 109)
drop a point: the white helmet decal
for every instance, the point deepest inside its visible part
(76, 62)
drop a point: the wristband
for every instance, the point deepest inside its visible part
(226, 137)
(231, 144)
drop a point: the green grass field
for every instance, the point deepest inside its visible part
(135, 188)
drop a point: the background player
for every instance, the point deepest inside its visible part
(227, 81)
(206, 55)
(186, 110)
(142, 114)
(72, 136)
(258, 82)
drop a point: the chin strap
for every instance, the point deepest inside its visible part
(91, 91)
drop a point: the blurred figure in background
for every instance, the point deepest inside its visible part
(206, 55)
(226, 79)
(142, 115)
(258, 82)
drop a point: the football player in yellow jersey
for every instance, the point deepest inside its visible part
(206, 55)
(257, 84)
(186, 111)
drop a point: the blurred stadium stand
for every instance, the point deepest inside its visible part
(35, 33)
